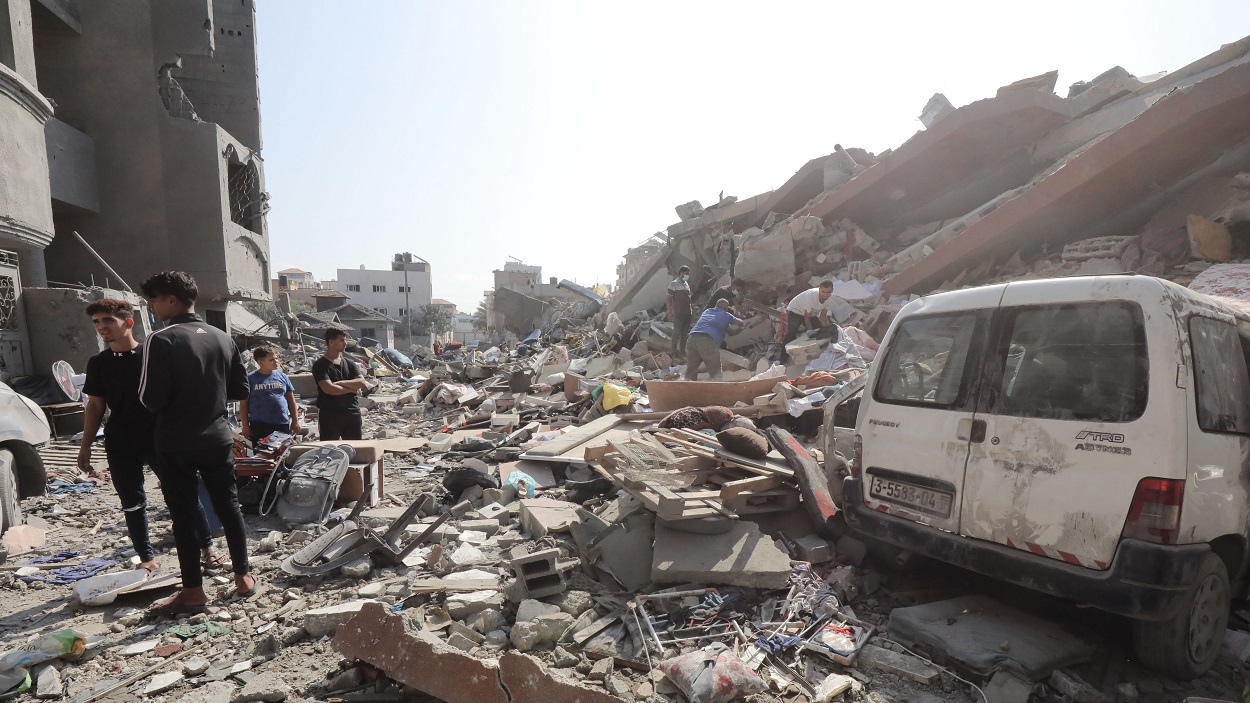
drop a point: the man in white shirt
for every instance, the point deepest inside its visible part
(809, 309)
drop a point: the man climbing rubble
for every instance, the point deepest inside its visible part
(705, 340)
(809, 309)
(190, 370)
(113, 383)
(679, 310)
(338, 380)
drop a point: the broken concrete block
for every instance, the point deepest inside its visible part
(937, 108)
(268, 687)
(492, 511)
(1209, 240)
(1008, 687)
(552, 625)
(814, 549)
(320, 622)
(1044, 83)
(764, 258)
(624, 548)
(690, 210)
(486, 527)
(358, 569)
(904, 665)
(574, 602)
(48, 683)
(486, 620)
(162, 682)
(742, 556)
(851, 550)
(24, 538)
(460, 642)
(538, 572)
(531, 609)
(542, 516)
(1073, 687)
(462, 605)
(525, 635)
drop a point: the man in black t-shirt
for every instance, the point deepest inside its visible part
(113, 382)
(338, 380)
(731, 293)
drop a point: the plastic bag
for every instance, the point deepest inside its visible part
(774, 371)
(522, 482)
(15, 664)
(615, 395)
(712, 675)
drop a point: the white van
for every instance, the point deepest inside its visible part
(1084, 437)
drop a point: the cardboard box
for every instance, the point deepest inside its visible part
(367, 465)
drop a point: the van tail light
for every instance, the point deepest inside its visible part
(857, 463)
(1155, 514)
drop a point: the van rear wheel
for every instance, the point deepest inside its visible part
(1186, 645)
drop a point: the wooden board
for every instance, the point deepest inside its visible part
(62, 458)
(572, 439)
(672, 395)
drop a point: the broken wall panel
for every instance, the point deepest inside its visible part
(1173, 139)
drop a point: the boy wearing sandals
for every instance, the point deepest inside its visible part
(113, 383)
(190, 371)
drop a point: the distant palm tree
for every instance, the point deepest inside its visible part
(480, 322)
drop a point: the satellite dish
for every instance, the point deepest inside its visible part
(64, 375)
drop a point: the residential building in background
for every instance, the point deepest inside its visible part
(151, 154)
(392, 292)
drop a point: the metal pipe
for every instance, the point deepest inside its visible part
(103, 263)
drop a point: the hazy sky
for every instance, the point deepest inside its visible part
(563, 133)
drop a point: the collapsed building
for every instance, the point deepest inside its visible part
(132, 140)
(1123, 174)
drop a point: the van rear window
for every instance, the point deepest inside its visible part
(1222, 387)
(1079, 361)
(926, 360)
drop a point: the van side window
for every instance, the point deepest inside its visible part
(927, 360)
(1222, 384)
(1078, 361)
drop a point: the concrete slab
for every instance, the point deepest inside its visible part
(625, 550)
(742, 556)
(904, 665)
(969, 629)
(542, 516)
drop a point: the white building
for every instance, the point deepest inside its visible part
(406, 286)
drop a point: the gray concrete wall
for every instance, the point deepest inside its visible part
(18, 23)
(71, 166)
(164, 204)
(60, 329)
(26, 225)
(226, 88)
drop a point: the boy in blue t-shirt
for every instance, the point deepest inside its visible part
(270, 406)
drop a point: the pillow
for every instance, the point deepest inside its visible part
(740, 440)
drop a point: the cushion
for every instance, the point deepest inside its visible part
(740, 440)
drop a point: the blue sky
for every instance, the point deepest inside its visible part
(562, 133)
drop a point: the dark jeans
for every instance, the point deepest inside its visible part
(338, 425)
(793, 322)
(681, 328)
(216, 466)
(126, 469)
(702, 349)
(261, 430)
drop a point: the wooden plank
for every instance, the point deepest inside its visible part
(729, 457)
(574, 438)
(731, 490)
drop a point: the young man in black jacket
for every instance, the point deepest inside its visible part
(190, 370)
(113, 383)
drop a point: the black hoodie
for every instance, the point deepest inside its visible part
(190, 370)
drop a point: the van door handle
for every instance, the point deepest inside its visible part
(969, 430)
(977, 435)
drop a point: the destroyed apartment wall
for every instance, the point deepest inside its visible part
(60, 329)
(182, 192)
(26, 226)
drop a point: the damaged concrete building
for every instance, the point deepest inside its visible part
(1122, 174)
(135, 125)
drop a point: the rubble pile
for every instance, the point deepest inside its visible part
(515, 536)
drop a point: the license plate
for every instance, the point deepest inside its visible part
(928, 500)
